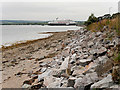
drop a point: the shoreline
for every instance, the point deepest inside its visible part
(24, 55)
(22, 42)
(66, 59)
(19, 43)
(26, 42)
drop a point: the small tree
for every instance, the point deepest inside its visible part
(91, 20)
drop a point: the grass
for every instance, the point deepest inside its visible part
(113, 24)
(117, 57)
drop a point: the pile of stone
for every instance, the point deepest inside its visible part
(84, 62)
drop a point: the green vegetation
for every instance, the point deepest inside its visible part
(91, 20)
(111, 22)
(80, 23)
(117, 57)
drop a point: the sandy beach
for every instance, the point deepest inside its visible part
(24, 58)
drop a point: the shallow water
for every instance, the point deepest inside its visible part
(17, 33)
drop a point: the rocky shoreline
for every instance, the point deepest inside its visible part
(73, 59)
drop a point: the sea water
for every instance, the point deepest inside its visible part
(19, 33)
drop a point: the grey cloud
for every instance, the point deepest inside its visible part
(51, 10)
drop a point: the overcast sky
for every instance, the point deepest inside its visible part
(50, 10)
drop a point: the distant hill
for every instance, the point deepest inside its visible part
(29, 22)
(17, 22)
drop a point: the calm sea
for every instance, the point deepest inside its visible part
(17, 33)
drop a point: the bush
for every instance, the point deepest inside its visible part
(91, 20)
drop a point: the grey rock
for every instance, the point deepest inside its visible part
(43, 69)
(13, 61)
(78, 72)
(93, 51)
(103, 59)
(53, 45)
(52, 82)
(90, 44)
(71, 81)
(98, 34)
(26, 86)
(87, 79)
(116, 41)
(47, 73)
(40, 58)
(42, 64)
(85, 61)
(104, 83)
(85, 56)
(65, 64)
(102, 50)
(106, 41)
(111, 45)
(72, 61)
(55, 84)
(77, 82)
(73, 56)
(64, 83)
(116, 87)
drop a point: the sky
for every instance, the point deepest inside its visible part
(78, 10)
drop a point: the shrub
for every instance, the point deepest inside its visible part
(91, 20)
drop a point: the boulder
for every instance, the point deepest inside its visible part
(110, 53)
(93, 51)
(104, 83)
(103, 59)
(78, 72)
(77, 82)
(82, 70)
(86, 80)
(110, 45)
(90, 44)
(43, 64)
(115, 86)
(72, 61)
(73, 56)
(50, 79)
(43, 69)
(85, 56)
(71, 81)
(36, 86)
(98, 34)
(52, 82)
(64, 83)
(102, 51)
(65, 63)
(116, 41)
(85, 61)
(46, 73)
(26, 86)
